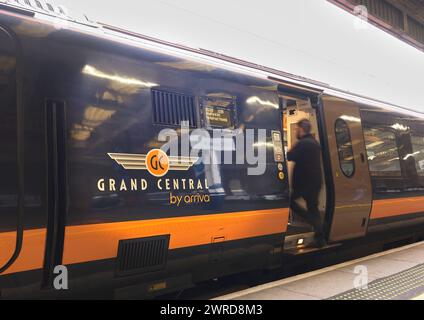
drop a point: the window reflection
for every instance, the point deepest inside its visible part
(382, 151)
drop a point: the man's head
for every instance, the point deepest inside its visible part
(303, 128)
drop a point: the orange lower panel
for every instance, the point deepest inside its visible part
(31, 256)
(7, 246)
(92, 242)
(100, 241)
(396, 207)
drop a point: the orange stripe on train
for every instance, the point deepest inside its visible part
(100, 241)
(396, 207)
(86, 243)
(31, 256)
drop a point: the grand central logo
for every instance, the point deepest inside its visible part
(156, 162)
(181, 151)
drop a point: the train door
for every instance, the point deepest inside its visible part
(348, 170)
(296, 108)
(9, 153)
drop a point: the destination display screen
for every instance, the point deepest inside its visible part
(218, 117)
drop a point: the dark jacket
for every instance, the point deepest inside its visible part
(307, 170)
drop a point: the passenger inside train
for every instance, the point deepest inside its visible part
(307, 178)
(296, 109)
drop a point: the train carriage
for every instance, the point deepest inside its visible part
(84, 112)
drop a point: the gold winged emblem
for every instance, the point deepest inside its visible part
(139, 161)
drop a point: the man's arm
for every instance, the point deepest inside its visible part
(294, 152)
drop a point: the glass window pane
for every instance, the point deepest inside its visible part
(418, 152)
(382, 152)
(344, 146)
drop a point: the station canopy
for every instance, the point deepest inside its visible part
(402, 18)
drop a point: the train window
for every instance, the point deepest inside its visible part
(344, 147)
(418, 152)
(382, 152)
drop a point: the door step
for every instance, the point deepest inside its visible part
(310, 249)
(299, 240)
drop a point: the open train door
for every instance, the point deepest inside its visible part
(350, 192)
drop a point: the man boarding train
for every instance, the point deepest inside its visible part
(307, 178)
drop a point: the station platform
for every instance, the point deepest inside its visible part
(396, 274)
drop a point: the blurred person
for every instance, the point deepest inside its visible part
(307, 178)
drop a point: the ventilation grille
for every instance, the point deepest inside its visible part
(142, 255)
(171, 108)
